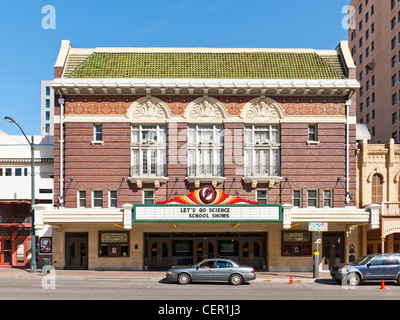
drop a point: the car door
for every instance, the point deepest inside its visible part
(390, 267)
(204, 271)
(222, 271)
(374, 269)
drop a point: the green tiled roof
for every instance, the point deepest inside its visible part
(206, 65)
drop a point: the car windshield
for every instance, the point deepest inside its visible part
(361, 260)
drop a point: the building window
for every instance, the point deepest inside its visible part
(98, 199)
(18, 172)
(296, 243)
(262, 196)
(47, 128)
(82, 198)
(148, 197)
(113, 244)
(377, 188)
(47, 115)
(262, 151)
(113, 199)
(149, 150)
(47, 91)
(328, 198)
(47, 103)
(296, 198)
(312, 132)
(98, 132)
(312, 198)
(8, 172)
(205, 151)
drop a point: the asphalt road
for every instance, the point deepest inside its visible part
(28, 288)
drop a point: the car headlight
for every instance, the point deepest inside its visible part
(170, 272)
(343, 270)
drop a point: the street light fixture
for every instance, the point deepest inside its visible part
(33, 268)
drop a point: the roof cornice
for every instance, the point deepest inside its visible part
(68, 86)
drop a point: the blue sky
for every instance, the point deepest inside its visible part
(28, 52)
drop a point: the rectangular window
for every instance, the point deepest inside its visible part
(18, 172)
(148, 197)
(47, 115)
(312, 132)
(113, 198)
(47, 91)
(113, 244)
(205, 151)
(297, 198)
(262, 196)
(149, 150)
(262, 150)
(82, 198)
(8, 172)
(98, 132)
(328, 199)
(296, 243)
(47, 103)
(312, 198)
(45, 190)
(98, 199)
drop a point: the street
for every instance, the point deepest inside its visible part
(147, 288)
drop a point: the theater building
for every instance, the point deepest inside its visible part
(166, 156)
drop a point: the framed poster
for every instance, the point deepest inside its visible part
(45, 244)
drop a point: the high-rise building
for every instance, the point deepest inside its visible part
(374, 42)
(47, 109)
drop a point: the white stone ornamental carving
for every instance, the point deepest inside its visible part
(205, 109)
(148, 109)
(262, 109)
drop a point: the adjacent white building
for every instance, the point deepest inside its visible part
(15, 168)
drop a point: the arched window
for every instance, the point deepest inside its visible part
(377, 188)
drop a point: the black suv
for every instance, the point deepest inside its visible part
(385, 266)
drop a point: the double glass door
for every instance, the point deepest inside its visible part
(168, 251)
(251, 253)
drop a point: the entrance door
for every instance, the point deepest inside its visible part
(333, 247)
(5, 252)
(229, 249)
(76, 251)
(204, 249)
(158, 254)
(251, 254)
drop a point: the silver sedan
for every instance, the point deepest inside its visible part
(212, 270)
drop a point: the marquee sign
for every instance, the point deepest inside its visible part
(207, 205)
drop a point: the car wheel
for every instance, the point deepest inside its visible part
(235, 279)
(352, 279)
(183, 278)
(398, 279)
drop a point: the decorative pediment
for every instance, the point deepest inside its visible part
(148, 110)
(205, 110)
(262, 110)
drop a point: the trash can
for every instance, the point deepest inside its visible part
(46, 262)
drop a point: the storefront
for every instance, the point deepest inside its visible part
(15, 234)
(204, 216)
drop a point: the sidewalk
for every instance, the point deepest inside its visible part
(262, 276)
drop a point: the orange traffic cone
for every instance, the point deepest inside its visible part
(383, 285)
(291, 280)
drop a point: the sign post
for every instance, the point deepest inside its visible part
(317, 227)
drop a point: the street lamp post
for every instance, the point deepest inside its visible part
(33, 268)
